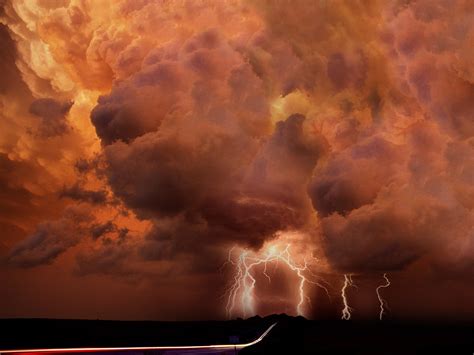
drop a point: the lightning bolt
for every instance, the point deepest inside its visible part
(241, 291)
(346, 311)
(383, 303)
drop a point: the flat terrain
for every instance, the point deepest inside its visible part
(291, 335)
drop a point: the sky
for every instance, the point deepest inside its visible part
(151, 150)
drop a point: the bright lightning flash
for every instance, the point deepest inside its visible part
(241, 291)
(346, 311)
(383, 302)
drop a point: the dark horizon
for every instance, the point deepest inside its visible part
(289, 335)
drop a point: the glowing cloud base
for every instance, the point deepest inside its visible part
(241, 293)
(241, 298)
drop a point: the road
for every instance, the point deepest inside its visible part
(195, 349)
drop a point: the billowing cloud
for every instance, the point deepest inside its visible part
(342, 183)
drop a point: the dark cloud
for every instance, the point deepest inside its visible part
(84, 166)
(52, 238)
(353, 178)
(399, 228)
(190, 150)
(394, 211)
(100, 230)
(52, 114)
(78, 193)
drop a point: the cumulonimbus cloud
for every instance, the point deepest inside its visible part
(225, 124)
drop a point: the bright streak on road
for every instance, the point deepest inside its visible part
(221, 347)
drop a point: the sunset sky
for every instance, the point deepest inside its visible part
(141, 141)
